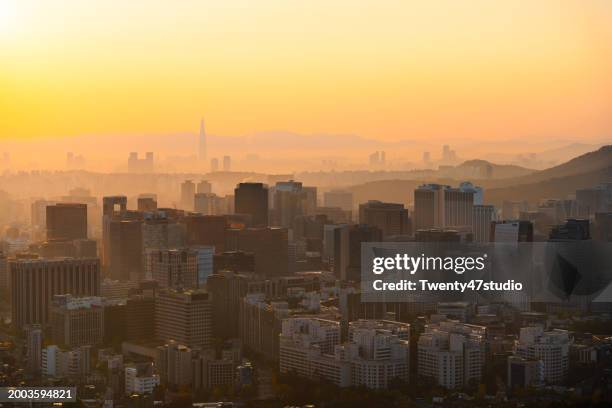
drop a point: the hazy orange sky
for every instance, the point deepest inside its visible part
(381, 69)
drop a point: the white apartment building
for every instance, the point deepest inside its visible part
(452, 353)
(59, 363)
(140, 379)
(377, 351)
(551, 348)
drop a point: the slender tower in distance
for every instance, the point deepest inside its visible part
(202, 143)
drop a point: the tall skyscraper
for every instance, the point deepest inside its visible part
(252, 199)
(112, 207)
(66, 221)
(125, 250)
(202, 142)
(33, 346)
(227, 163)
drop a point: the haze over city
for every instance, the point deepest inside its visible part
(312, 82)
(261, 204)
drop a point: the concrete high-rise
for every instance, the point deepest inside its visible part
(441, 206)
(188, 189)
(112, 207)
(208, 230)
(66, 221)
(481, 222)
(390, 218)
(252, 199)
(347, 249)
(269, 245)
(184, 316)
(34, 282)
(186, 268)
(125, 250)
(290, 201)
(77, 321)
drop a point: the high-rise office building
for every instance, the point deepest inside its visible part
(33, 347)
(77, 321)
(187, 195)
(478, 191)
(184, 316)
(147, 204)
(252, 199)
(429, 206)
(112, 207)
(228, 289)
(347, 249)
(441, 206)
(125, 250)
(139, 324)
(205, 230)
(236, 261)
(66, 221)
(390, 218)
(270, 247)
(481, 222)
(291, 200)
(4, 274)
(187, 268)
(34, 282)
(593, 200)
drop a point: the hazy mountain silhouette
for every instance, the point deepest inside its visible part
(559, 181)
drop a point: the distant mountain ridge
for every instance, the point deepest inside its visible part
(560, 181)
